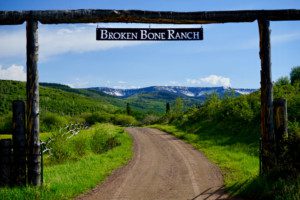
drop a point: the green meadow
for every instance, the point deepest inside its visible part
(78, 164)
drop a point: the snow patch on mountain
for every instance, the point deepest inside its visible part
(244, 91)
(195, 92)
(204, 93)
(114, 93)
(187, 93)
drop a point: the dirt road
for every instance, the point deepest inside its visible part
(164, 168)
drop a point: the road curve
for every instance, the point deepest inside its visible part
(163, 168)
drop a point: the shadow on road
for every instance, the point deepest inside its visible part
(219, 193)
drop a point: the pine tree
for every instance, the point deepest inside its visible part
(167, 107)
(128, 109)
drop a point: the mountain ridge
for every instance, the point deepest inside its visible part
(184, 91)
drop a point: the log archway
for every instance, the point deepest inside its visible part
(138, 16)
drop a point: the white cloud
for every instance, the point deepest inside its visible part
(285, 37)
(211, 80)
(176, 83)
(56, 41)
(276, 39)
(61, 39)
(14, 72)
(122, 85)
(79, 83)
(125, 87)
(75, 40)
(12, 43)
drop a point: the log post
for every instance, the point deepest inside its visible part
(268, 160)
(280, 127)
(5, 162)
(19, 143)
(32, 91)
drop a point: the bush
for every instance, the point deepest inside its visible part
(150, 119)
(6, 124)
(102, 141)
(97, 117)
(51, 121)
(123, 120)
(284, 80)
(80, 145)
(67, 145)
(236, 109)
(77, 120)
(294, 145)
(60, 148)
(211, 107)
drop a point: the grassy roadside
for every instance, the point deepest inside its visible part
(237, 156)
(75, 176)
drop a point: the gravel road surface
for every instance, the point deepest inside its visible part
(163, 167)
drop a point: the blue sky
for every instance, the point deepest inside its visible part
(228, 55)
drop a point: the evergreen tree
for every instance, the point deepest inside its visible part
(128, 109)
(167, 107)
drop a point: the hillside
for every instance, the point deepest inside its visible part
(53, 99)
(153, 99)
(141, 104)
(62, 99)
(61, 105)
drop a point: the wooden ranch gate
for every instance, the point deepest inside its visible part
(32, 18)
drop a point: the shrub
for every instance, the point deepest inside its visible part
(284, 80)
(211, 106)
(178, 107)
(150, 119)
(6, 124)
(236, 110)
(124, 120)
(294, 145)
(97, 117)
(60, 148)
(102, 141)
(77, 120)
(51, 121)
(67, 144)
(80, 145)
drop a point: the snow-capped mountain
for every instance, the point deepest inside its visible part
(189, 92)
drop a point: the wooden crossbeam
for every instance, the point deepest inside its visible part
(139, 16)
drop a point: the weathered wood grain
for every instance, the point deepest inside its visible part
(141, 16)
(280, 128)
(267, 128)
(5, 162)
(32, 91)
(19, 143)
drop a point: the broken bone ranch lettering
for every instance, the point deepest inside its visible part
(149, 34)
